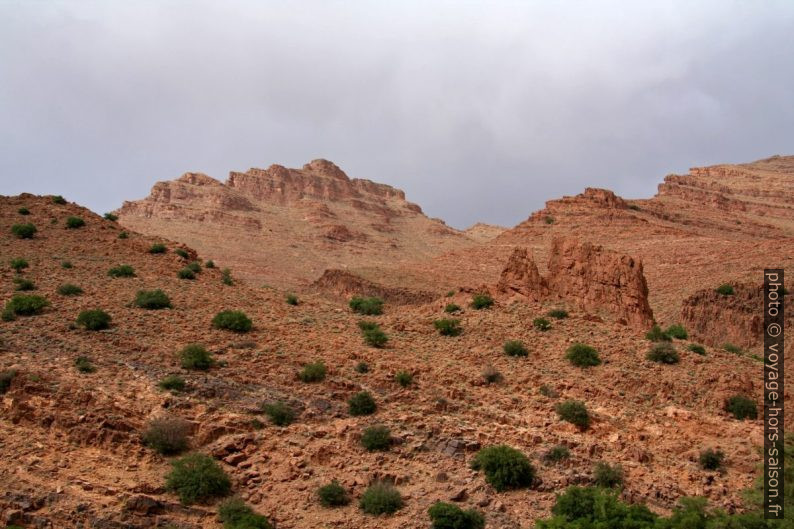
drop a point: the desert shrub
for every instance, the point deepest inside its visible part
(235, 514)
(5, 380)
(404, 378)
(172, 383)
(195, 356)
(73, 223)
(280, 413)
(574, 412)
(541, 324)
(491, 375)
(376, 438)
(362, 367)
(232, 320)
(23, 211)
(742, 407)
(451, 307)
(677, 331)
(93, 320)
(84, 364)
(186, 273)
(67, 265)
(194, 266)
(157, 248)
(481, 301)
(663, 353)
(380, 498)
(725, 290)
(504, 467)
(24, 285)
(548, 391)
(152, 299)
(367, 306)
(711, 459)
(515, 348)
(582, 355)
(450, 293)
(375, 337)
(361, 403)
(123, 235)
(23, 231)
(448, 327)
(18, 264)
(226, 277)
(696, 348)
(735, 349)
(68, 289)
(197, 477)
(121, 271)
(26, 305)
(313, 372)
(656, 334)
(333, 495)
(292, 299)
(111, 217)
(58, 199)
(556, 454)
(592, 507)
(167, 435)
(549, 219)
(209, 264)
(557, 314)
(448, 516)
(607, 476)
(181, 253)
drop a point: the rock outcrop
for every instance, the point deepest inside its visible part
(345, 285)
(521, 276)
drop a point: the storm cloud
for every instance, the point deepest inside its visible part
(480, 111)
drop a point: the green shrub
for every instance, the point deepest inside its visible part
(235, 514)
(515, 348)
(574, 412)
(541, 324)
(313, 372)
(367, 306)
(582, 355)
(549, 219)
(677, 331)
(123, 235)
(279, 413)
(195, 356)
(58, 199)
(23, 231)
(197, 477)
(725, 289)
(556, 454)
(548, 391)
(735, 349)
(697, 348)
(742, 407)
(504, 467)
(111, 217)
(5, 380)
(292, 299)
(94, 320)
(404, 378)
(380, 498)
(157, 248)
(375, 337)
(491, 375)
(450, 293)
(232, 320)
(84, 364)
(186, 273)
(68, 289)
(181, 253)
(656, 334)
(608, 476)
(448, 327)
(711, 459)
(366, 325)
(167, 435)
(24, 285)
(333, 495)
(23, 211)
(152, 299)
(557, 314)
(172, 383)
(67, 265)
(592, 507)
(19, 264)
(449, 516)
(663, 353)
(361, 403)
(194, 266)
(481, 301)
(362, 367)
(226, 277)
(451, 307)
(376, 438)
(72, 223)
(209, 264)
(121, 271)
(26, 305)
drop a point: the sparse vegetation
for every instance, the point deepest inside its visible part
(333, 495)
(556, 454)
(548, 219)
(656, 334)
(451, 308)
(209, 264)
(711, 459)
(280, 413)
(23, 231)
(194, 266)
(84, 364)
(292, 299)
(481, 301)
(574, 412)
(197, 477)
(23, 211)
(167, 435)
(72, 223)
(504, 467)
(157, 248)
(735, 349)
(361, 403)
(19, 264)
(448, 516)
(232, 320)
(663, 353)
(367, 306)
(181, 252)
(6, 377)
(515, 348)
(376, 438)
(592, 507)
(58, 199)
(94, 320)
(362, 367)
(172, 383)
(548, 391)
(404, 378)
(559, 314)
(152, 300)
(26, 305)
(235, 514)
(677, 331)
(375, 337)
(380, 498)
(313, 372)
(195, 356)
(725, 290)
(491, 375)
(541, 324)
(111, 217)
(24, 285)
(121, 271)
(123, 235)
(68, 289)
(607, 476)
(448, 327)
(186, 273)
(66, 265)
(696, 348)
(582, 355)
(226, 277)
(742, 407)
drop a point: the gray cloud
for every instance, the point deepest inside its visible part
(478, 110)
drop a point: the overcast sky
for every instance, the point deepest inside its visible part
(480, 111)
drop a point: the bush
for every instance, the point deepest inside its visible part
(451, 307)
(226, 277)
(333, 495)
(361, 403)
(279, 413)
(608, 476)
(186, 273)
(72, 223)
(656, 334)
(574, 412)
(549, 219)
(375, 337)
(5, 380)
(157, 248)
(541, 324)
(449, 516)
(19, 264)
(556, 454)
(312, 372)
(362, 367)
(84, 364)
(232, 320)
(735, 349)
(23, 231)
(197, 477)
(697, 348)
(235, 514)
(725, 289)
(663, 353)
(548, 391)
(68, 289)
(167, 435)
(742, 407)
(515, 348)
(24, 285)
(152, 300)
(481, 301)
(292, 299)
(591, 507)
(26, 305)
(582, 355)
(677, 331)
(209, 264)
(491, 375)
(123, 235)
(172, 383)
(504, 467)
(58, 199)
(195, 356)
(448, 327)
(711, 459)
(194, 266)
(67, 265)
(367, 306)
(366, 325)
(376, 438)
(23, 211)
(558, 314)
(404, 378)
(111, 217)
(122, 271)
(181, 253)
(380, 498)
(94, 320)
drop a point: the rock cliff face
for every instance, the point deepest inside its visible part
(345, 285)
(520, 276)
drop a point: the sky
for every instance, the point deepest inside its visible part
(479, 111)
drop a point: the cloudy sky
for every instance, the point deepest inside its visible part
(478, 110)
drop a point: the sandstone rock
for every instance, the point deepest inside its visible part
(520, 275)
